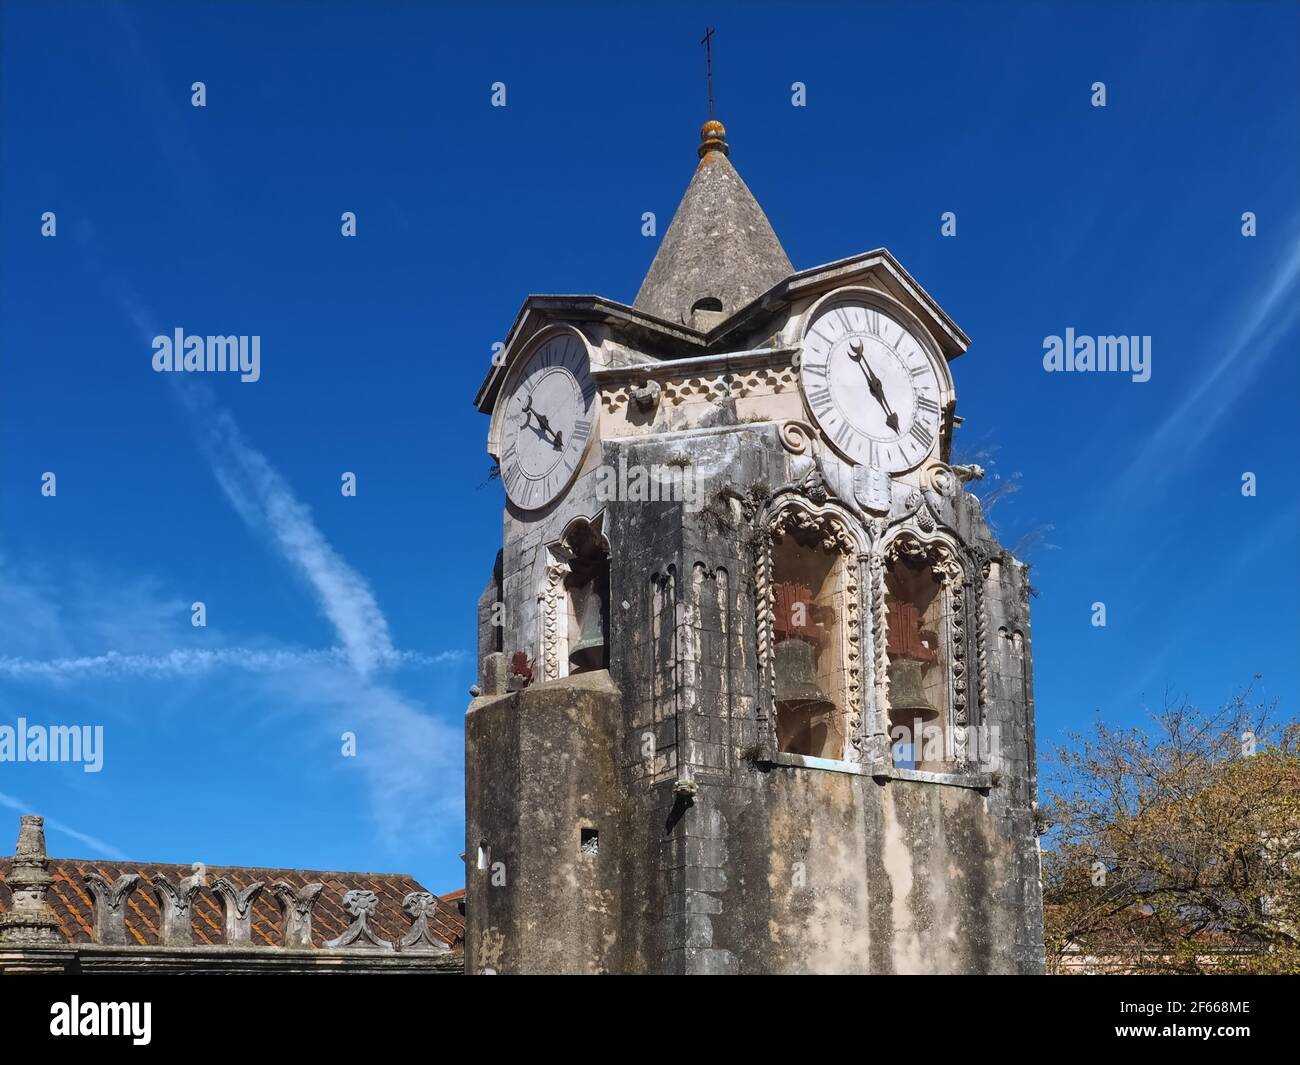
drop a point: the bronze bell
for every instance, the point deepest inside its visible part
(591, 612)
(910, 709)
(806, 721)
(907, 699)
(796, 674)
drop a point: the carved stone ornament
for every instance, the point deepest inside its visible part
(797, 437)
(813, 486)
(237, 905)
(175, 904)
(938, 555)
(878, 749)
(552, 599)
(921, 507)
(646, 397)
(359, 935)
(421, 906)
(296, 905)
(940, 478)
(110, 906)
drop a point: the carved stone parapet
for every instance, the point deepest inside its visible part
(237, 906)
(296, 905)
(110, 906)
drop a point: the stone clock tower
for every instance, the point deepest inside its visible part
(755, 690)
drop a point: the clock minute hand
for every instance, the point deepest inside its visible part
(874, 385)
(545, 424)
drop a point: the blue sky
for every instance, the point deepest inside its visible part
(327, 613)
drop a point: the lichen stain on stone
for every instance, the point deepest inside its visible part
(827, 915)
(491, 945)
(907, 956)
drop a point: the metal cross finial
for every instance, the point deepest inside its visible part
(708, 63)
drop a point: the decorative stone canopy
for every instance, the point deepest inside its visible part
(720, 251)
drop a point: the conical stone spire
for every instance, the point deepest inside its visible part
(30, 921)
(719, 252)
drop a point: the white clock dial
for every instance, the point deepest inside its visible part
(547, 419)
(871, 387)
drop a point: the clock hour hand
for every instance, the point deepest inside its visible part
(557, 437)
(874, 385)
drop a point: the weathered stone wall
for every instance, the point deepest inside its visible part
(540, 768)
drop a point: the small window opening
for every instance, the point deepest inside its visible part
(588, 593)
(589, 841)
(484, 855)
(706, 312)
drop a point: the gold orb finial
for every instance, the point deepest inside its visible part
(713, 138)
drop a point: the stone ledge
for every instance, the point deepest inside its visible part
(92, 958)
(976, 780)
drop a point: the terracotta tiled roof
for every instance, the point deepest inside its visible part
(73, 904)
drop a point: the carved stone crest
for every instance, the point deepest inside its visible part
(872, 488)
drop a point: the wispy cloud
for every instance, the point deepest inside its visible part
(409, 757)
(267, 505)
(97, 845)
(1251, 342)
(189, 662)
(411, 761)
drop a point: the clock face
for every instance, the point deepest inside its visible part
(546, 423)
(871, 386)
